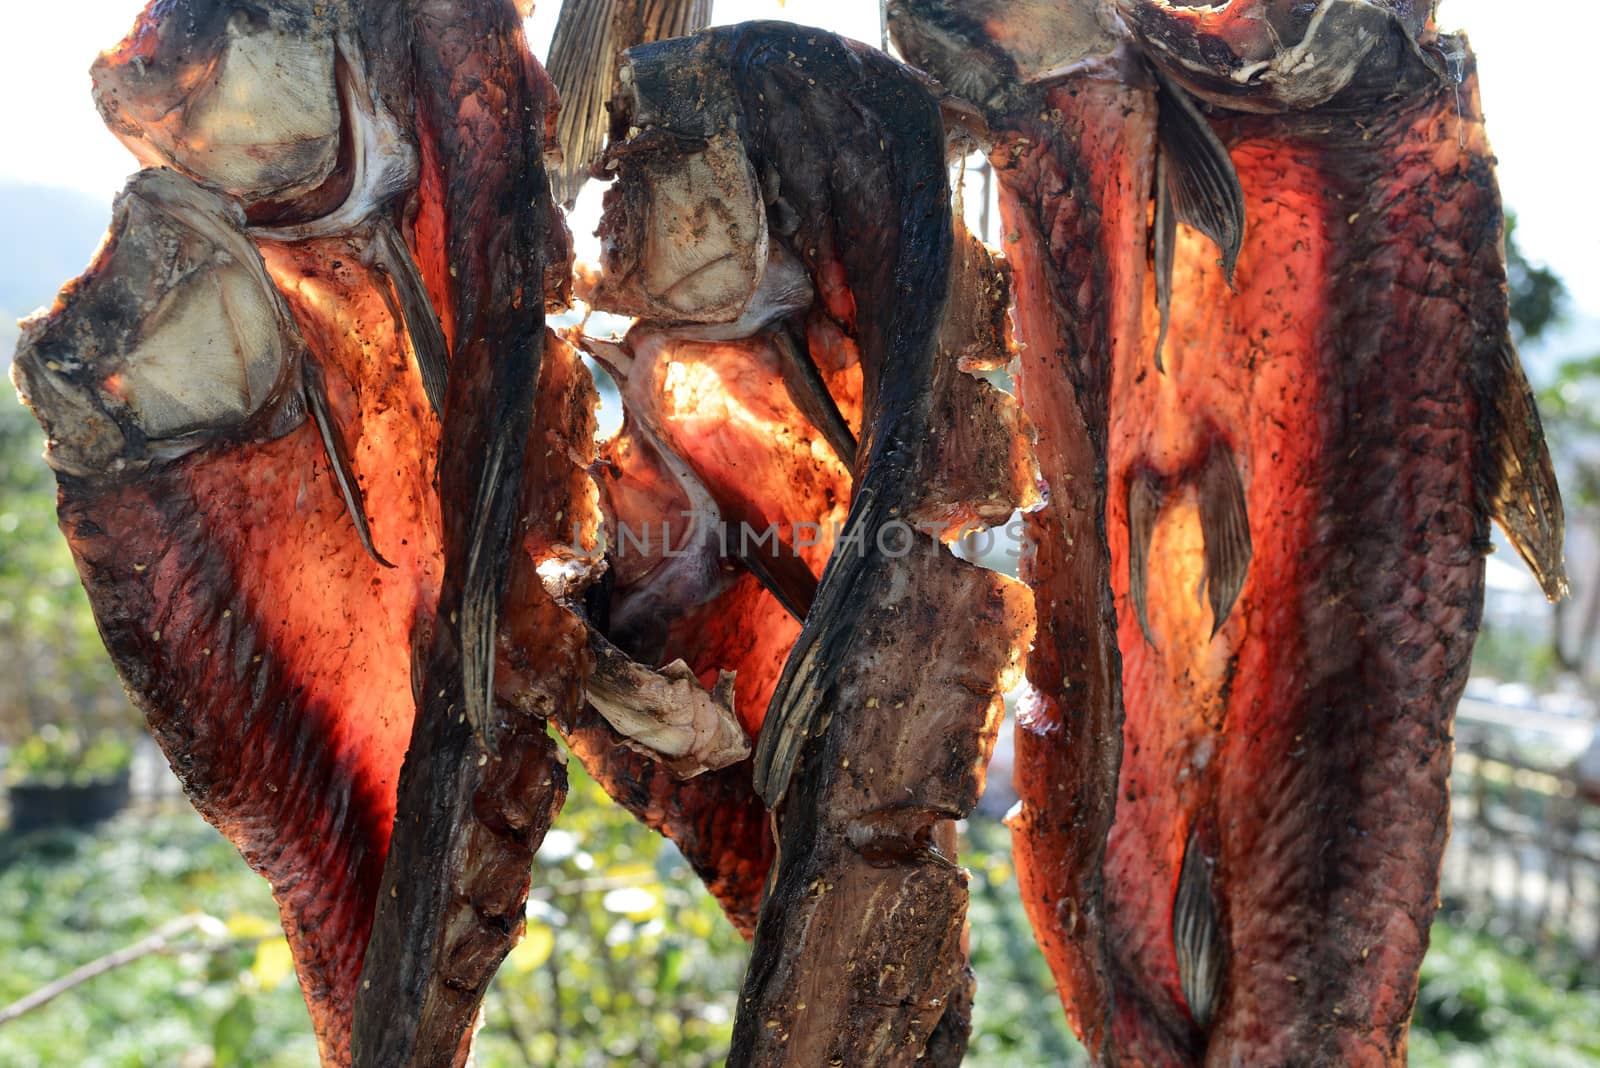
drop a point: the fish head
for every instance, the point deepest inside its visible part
(242, 96)
(684, 233)
(173, 337)
(984, 51)
(1283, 55)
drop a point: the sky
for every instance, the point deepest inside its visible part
(1535, 81)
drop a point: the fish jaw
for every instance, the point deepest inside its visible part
(242, 97)
(175, 337)
(1282, 55)
(684, 233)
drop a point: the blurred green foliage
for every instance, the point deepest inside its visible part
(1537, 294)
(57, 756)
(1511, 653)
(68, 897)
(1482, 1005)
(1571, 409)
(58, 672)
(627, 961)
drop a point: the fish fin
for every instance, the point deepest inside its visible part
(666, 19)
(794, 716)
(1165, 252)
(614, 358)
(809, 393)
(582, 63)
(1225, 526)
(1197, 934)
(797, 711)
(488, 561)
(1521, 491)
(1200, 176)
(432, 351)
(1144, 504)
(333, 445)
(784, 575)
(590, 35)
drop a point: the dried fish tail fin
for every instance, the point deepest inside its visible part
(590, 35)
(583, 64)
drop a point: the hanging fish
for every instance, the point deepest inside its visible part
(1261, 290)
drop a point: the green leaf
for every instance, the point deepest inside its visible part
(669, 968)
(235, 1029)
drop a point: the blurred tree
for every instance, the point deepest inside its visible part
(1538, 296)
(1570, 407)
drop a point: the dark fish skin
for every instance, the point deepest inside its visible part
(1242, 866)
(876, 737)
(441, 930)
(886, 228)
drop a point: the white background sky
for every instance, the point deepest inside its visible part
(1534, 63)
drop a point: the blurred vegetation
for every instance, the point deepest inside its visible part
(627, 961)
(1512, 653)
(58, 671)
(1537, 295)
(68, 897)
(1481, 1003)
(58, 756)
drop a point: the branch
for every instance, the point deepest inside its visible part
(161, 941)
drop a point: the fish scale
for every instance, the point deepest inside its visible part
(1278, 342)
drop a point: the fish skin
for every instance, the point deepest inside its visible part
(1334, 682)
(704, 88)
(274, 671)
(1298, 737)
(482, 779)
(273, 662)
(1079, 264)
